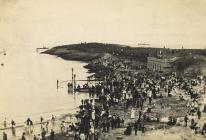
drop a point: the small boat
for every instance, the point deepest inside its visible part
(85, 88)
(82, 90)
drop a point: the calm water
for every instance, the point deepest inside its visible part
(28, 86)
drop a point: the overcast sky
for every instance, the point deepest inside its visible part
(34, 23)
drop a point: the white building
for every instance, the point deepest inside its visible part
(161, 64)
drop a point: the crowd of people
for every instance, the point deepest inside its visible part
(129, 90)
(136, 91)
(28, 129)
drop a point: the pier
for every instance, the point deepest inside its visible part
(72, 84)
(43, 49)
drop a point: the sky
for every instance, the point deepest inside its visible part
(34, 23)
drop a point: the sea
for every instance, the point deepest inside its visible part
(28, 86)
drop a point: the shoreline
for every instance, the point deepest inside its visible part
(96, 66)
(161, 107)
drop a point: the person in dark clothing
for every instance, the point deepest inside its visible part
(72, 127)
(43, 134)
(107, 125)
(199, 114)
(28, 122)
(13, 123)
(136, 127)
(150, 100)
(13, 128)
(203, 129)
(143, 128)
(128, 130)
(141, 103)
(140, 114)
(193, 125)
(35, 137)
(23, 136)
(112, 123)
(186, 120)
(52, 134)
(41, 119)
(4, 136)
(118, 120)
(104, 127)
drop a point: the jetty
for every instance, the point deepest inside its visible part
(74, 87)
(42, 48)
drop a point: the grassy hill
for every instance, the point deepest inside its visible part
(89, 51)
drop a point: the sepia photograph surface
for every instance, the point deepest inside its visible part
(102, 69)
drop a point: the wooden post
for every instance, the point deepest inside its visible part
(72, 80)
(74, 87)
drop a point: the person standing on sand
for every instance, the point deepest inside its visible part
(150, 97)
(198, 113)
(4, 136)
(13, 125)
(186, 120)
(107, 126)
(132, 113)
(141, 101)
(28, 121)
(23, 136)
(136, 127)
(43, 134)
